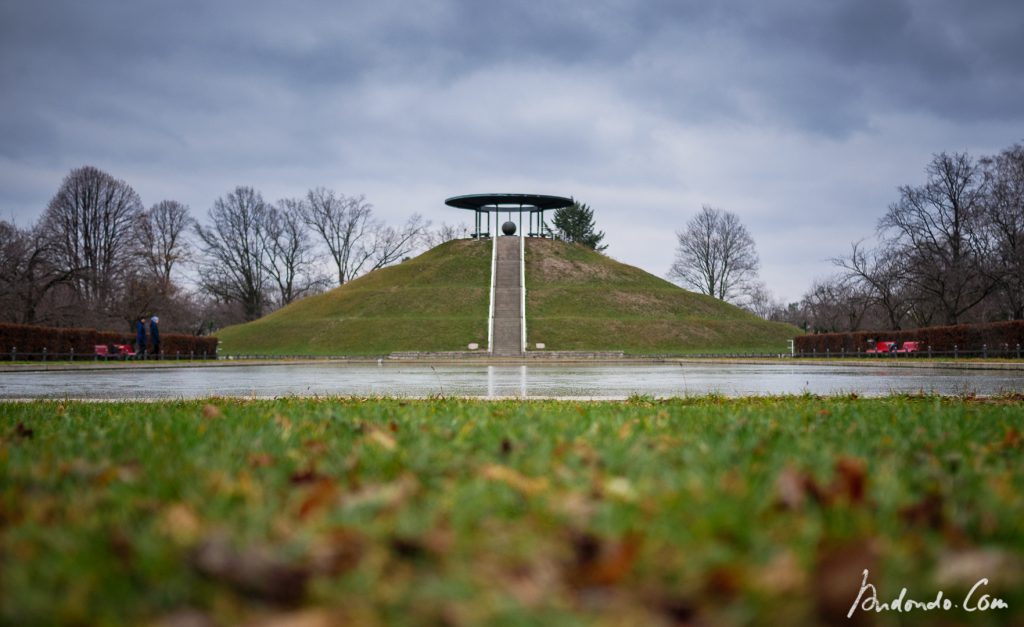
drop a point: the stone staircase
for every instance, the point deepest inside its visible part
(508, 321)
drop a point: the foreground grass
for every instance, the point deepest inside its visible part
(467, 512)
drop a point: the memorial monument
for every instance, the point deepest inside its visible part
(506, 324)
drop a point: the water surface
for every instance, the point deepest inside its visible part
(587, 381)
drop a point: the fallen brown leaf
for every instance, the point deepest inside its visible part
(1012, 439)
(619, 489)
(681, 611)
(928, 512)
(408, 547)
(186, 617)
(587, 454)
(849, 484)
(129, 472)
(181, 523)
(260, 460)
(23, 432)
(254, 571)
(439, 540)
(601, 563)
(838, 573)
(386, 495)
(322, 493)
(791, 488)
(305, 475)
(121, 546)
(81, 468)
(962, 569)
(560, 450)
(314, 446)
(783, 574)
(315, 617)
(723, 581)
(851, 479)
(382, 439)
(529, 486)
(531, 581)
(337, 552)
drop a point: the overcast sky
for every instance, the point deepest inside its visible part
(801, 116)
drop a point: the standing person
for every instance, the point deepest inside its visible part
(140, 338)
(154, 335)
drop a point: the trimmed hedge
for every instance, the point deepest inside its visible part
(27, 342)
(996, 336)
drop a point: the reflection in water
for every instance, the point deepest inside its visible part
(596, 381)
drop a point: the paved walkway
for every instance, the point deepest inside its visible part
(508, 320)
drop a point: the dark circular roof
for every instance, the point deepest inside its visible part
(481, 202)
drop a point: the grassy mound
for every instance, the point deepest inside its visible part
(437, 301)
(577, 299)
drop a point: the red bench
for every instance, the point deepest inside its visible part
(125, 350)
(119, 351)
(894, 347)
(882, 347)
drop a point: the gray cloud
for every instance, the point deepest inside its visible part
(802, 116)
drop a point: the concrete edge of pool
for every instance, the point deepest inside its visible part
(491, 361)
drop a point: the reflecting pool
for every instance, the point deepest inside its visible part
(575, 381)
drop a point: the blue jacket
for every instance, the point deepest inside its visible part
(154, 332)
(140, 333)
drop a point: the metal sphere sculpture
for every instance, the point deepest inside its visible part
(509, 228)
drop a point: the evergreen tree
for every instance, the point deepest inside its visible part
(575, 223)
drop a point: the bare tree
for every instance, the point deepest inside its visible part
(445, 233)
(939, 229)
(289, 260)
(163, 245)
(762, 303)
(201, 313)
(882, 274)
(835, 304)
(28, 273)
(355, 240)
(389, 245)
(90, 222)
(716, 255)
(1004, 174)
(163, 240)
(794, 314)
(234, 249)
(343, 223)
